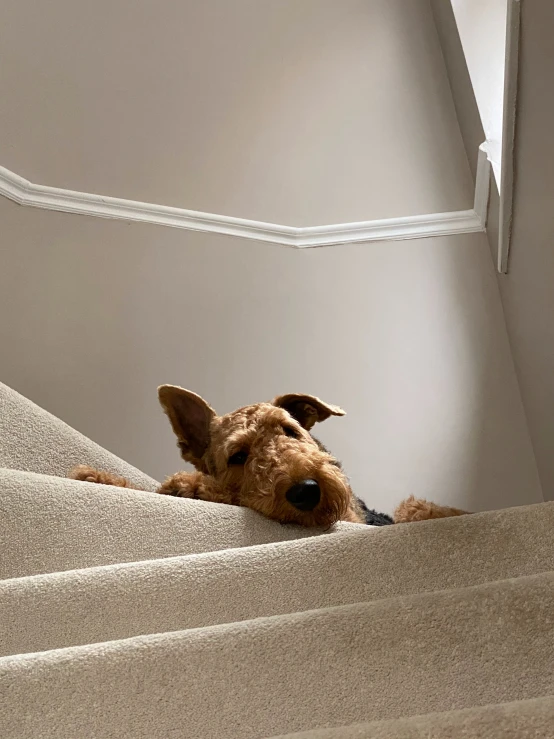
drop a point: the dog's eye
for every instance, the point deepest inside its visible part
(292, 432)
(238, 458)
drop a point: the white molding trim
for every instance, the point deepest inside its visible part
(483, 183)
(508, 134)
(23, 192)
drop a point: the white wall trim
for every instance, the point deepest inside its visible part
(483, 183)
(508, 134)
(23, 192)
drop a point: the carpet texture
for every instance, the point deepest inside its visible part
(49, 524)
(128, 614)
(34, 440)
(519, 720)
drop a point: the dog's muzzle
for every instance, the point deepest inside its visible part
(304, 496)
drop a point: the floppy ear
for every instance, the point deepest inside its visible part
(190, 417)
(307, 409)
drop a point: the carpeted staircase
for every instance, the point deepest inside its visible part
(128, 614)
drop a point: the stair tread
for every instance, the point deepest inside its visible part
(122, 600)
(52, 524)
(402, 656)
(527, 719)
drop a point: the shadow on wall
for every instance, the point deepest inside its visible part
(487, 429)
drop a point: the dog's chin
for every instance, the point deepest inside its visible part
(323, 516)
(326, 514)
(315, 519)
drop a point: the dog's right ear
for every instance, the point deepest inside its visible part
(190, 417)
(307, 409)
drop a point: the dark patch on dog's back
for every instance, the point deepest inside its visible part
(372, 517)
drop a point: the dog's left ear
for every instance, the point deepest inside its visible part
(190, 417)
(307, 409)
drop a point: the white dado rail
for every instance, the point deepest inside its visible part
(23, 192)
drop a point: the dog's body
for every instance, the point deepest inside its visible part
(264, 457)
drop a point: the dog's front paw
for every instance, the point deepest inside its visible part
(194, 485)
(182, 485)
(88, 474)
(417, 509)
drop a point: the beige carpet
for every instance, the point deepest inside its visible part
(36, 441)
(531, 719)
(127, 614)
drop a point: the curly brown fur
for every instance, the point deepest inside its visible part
(417, 509)
(258, 456)
(253, 456)
(196, 485)
(89, 474)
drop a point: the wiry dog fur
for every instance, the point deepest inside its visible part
(255, 455)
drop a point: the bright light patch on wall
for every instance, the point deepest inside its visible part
(482, 28)
(489, 33)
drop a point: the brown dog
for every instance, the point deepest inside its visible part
(263, 457)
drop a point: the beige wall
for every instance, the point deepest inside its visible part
(307, 112)
(528, 290)
(407, 336)
(301, 113)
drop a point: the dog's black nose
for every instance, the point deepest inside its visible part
(304, 495)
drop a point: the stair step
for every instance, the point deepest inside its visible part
(49, 524)
(36, 441)
(532, 719)
(432, 652)
(356, 565)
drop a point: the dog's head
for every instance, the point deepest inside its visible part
(264, 454)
